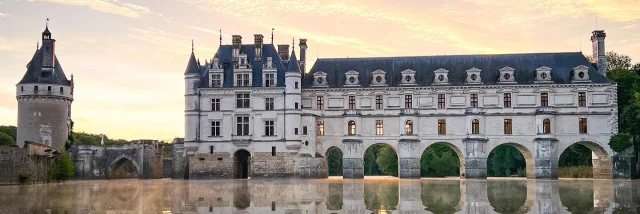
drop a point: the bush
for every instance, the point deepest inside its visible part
(620, 142)
(63, 168)
(6, 140)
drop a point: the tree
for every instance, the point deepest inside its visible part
(388, 161)
(439, 160)
(9, 130)
(505, 161)
(618, 61)
(334, 162)
(6, 140)
(370, 156)
(575, 155)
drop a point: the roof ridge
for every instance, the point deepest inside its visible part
(456, 55)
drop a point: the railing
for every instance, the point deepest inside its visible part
(473, 110)
(546, 110)
(352, 112)
(408, 111)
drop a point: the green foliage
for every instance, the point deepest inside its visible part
(24, 178)
(618, 61)
(62, 169)
(439, 161)
(441, 197)
(388, 161)
(81, 138)
(507, 196)
(334, 162)
(620, 142)
(575, 155)
(575, 172)
(9, 130)
(505, 161)
(370, 164)
(6, 140)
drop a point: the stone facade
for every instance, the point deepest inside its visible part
(35, 161)
(94, 162)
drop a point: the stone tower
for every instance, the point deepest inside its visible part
(293, 108)
(44, 99)
(192, 100)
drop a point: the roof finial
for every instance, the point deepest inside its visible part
(272, 35)
(192, 46)
(37, 44)
(47, 23)
(220, 36)
(293, 43)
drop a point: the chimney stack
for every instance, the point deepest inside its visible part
(237, 43)
(283, 51)
(258, 40)
(599, 55)
(303, 54)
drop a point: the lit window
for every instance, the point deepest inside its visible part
(546, 126)
(408, 101)
(442, 127)
(379, 127)
(351, 129)
(408, 127)
(475, 126)
(508, 126)
(583, 125)
(320, 102)
(320, 128)
(544, 99)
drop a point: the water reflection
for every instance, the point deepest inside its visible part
(325, 196)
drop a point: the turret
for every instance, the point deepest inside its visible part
(191, 98)
(293, 77)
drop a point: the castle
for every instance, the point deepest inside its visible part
(253, 111)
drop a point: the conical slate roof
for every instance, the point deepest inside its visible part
(192, 67)
(293, 63)
(34, 72)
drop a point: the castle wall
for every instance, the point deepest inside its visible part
(43, 121)
(31, 161)
(95, 162)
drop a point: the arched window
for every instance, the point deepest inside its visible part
(408, 127)
(546, 126)
(352, 128)
(475, 126)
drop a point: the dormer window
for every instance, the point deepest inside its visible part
(269, 62)
(581, 74)
(215, 78)
(473, 76)
(319, 79)
(543, 75)
(506, 75)
(379, 78)
(352, 78)
(408, 77)
(441, 77)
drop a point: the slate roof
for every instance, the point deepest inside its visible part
(525, 66)
(34, 70)
(193, 67)
(293, 65)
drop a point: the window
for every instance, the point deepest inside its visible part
(507, 100)
(304, 130)
(379, 102)
(544, 99)
(21, 88)
(508, 126)
(215, 104)
(269, 80)
(320, 102)
(583, 125)
(379, 127)
(546, 126)
(351, 129)
(475, 126)
(582, 99)
(295, 131)
(242, 125)
(242, 100)
(408, 127)
(216, 80)
(352, 102)
(269, 128)
(442, 127)
(408, 101)
(441, 103)
(210, 149)
(273, 151)
(215, 128)
(268, 103)
(296, 105)
(48, 88)
(474, 100)
(35, 88)
(296, 84)
(61, 89)
(242, 80)
(320, 128)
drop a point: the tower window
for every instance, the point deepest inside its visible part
(408, 101)
(320, 128)
(508, 126)
(296, 84)
(21, 88)
(61, 89)
(408, 127)
(304, 130)
(35, 88)
(296, 105)
(379, 102)
(48, 88)
(352, 102)
(295, 131)
(379, 127)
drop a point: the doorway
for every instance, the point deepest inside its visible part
(242, 161)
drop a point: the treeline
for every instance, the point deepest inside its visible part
(8, 138)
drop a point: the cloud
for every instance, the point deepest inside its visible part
(2, 15)
(107, 6)
(164, 40)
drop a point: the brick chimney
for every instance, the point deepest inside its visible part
(237, 43)
(283, 51)
(599, 57)
(258, 40)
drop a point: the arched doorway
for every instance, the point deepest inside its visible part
(509, 160)
(441, 160)
(334, 161)
(585, 159)
(380, 159)
(123, 167)
(242, 160)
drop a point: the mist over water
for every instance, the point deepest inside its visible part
(371, 195)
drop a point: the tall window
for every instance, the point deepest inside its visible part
(379, 127)
(583, 125)
(351, 129)
(582, 99)
(352, 102)
(474, 100)
(242, 125)
(269, 128)
(442, 126)
(441, 103)
(475, 126)
(268, 103)
(508, 126)
(507, 100)
(296, 85)
(320, 102)
(215, 128)
(320, 128)
(269, 80)
(215, 104)
(304, 130)
(546, 126)
(408, 127)
(243, 100)
(378, 101)
(216, 80)
(242, 80)
(408, 101)
(544, 99)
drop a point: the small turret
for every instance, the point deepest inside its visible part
(293, 65)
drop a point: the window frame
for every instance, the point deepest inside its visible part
(352, 102)
(474, 100)
(508, 126)
(506, 100)
(379, 127)
(215, 128)
(243, 100)
(216, 80)
(582, 99)
(269, 103)
(379, 102)
(269, 128)
(269, 80)
(242, 125)
(442, 103)
(243, 80)
(215, 104)
(320, 102)
(320, 128)
(583, 127)
(475, 126)
(408, 127)
(544, 99)
(442, 126)
(408, 101)
(546, 126)
(351, 128)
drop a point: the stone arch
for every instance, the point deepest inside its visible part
(601, 159)
(526, 153)
(242, 164)
(457, 151)
(330, 162)
(395, 150)
(118, 162)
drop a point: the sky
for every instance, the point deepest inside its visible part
(128, 57)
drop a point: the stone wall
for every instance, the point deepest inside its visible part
(216, 165)
(264, 165)
(95, 162)
(167, 168)
(31, 160)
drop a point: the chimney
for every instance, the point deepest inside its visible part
(258, 38)
(283, 51)
(599, 57)
(237, 43)
(303, 54)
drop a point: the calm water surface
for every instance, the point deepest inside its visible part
(324, 196)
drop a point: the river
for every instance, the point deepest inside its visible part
(371, 195)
